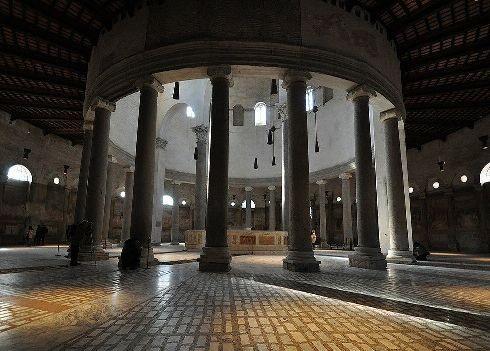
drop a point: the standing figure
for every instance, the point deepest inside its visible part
(29, 235)
(313, 238)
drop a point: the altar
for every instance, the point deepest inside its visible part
(243, 241)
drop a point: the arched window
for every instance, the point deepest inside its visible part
(309, 99)
(167, 200)
(260, 114)
(190, 112)
(485, 174)
(19, 172)
(252, 204)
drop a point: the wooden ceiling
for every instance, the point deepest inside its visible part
(443, 45)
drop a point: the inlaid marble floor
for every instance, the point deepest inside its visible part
(256, 306)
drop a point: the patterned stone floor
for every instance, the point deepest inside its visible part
(256, 306)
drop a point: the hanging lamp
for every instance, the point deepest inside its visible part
(176, 95)
(317, 145)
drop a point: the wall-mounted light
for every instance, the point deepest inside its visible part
(410, 190)
(184, 202)
(436, 185)
(56, 180)
(339, 199)
(122, 194)
(176, 94)
(484, 142)
(464, 178)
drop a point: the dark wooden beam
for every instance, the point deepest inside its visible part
(43, 59)
(479, 66)
(43, 78)
(381, 6)
(58, 107)
(41, 92)
(447, 88)
(99, 12)
(63, 19)
(18, 25)
(42, 117)
(441, 34)
(446, 106)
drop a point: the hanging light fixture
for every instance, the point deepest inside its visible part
(176, 95)
(270, 136)
(256, 164)
(484, 142)
(317, 145)
(273, 160)
(441, 165)
(274, 90)
(65, 169)
(26, 153)
(196, 153)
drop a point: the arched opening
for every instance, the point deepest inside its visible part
(252, 204)
(485, 174)
(167, 200)
(19, 173)
(260, 114)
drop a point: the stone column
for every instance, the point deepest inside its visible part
(128, 203)
(156, 233)
(84, 169)
(175, 231)
(108, 199)
(201, 193)
(347, 209)
(323, 212)
(397, 220)
(285, 175)
(96, 188)
(300, 255)
(144, 169)
(368, 253)
(272, 208)
(248, 207)
(215, 255)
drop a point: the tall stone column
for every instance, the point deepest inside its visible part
(84, 169)
(285, 175)
(128, 203)
(248, 207)
(175, 231)
(156, 233)
(144, 169)
(323, 212)
(108, 199)
(94, 209)
(347, 209)
(272, 207)
(201, 193)
(397, 219)
(368, 253)
(215, 255)
(300, 255)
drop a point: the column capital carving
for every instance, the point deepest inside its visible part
(176, 182)
(345, 176)
(161, 143)
(111, 159)
(360, 90)
(292, 76)
(99, 102)
(248, 188)
(88, 124)
(271, 187)
(201, 132)
(222, 71)
(151, 82)
(321, 182)
(388, 114)
(129, 169)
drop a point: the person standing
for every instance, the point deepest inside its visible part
(29, 235)
(313, 238)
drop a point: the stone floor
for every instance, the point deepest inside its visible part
(256, 306)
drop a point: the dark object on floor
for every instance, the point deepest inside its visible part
(420, 252)
(130, 255)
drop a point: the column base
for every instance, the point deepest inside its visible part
(215, 259)
(400, 256)
(301, 261)
(98, 254)
(367, 258)
(127, 260)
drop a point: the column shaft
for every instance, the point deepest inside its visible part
(272, 208)
(175, 231)
(108, 201)
(323, 213)
(128, 202)
(347, 210)
(156, 233)
(215, 255)
(285, 176)
(248, 207)
(201, 177)
(368, 253)
(397, 220)
(300, 255)
(83, 176)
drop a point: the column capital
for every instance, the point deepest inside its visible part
(392, 113)
(321, 182)
(88, 124)
(248, 188)
(111, 159)
(344, 176)
(222, 71)
(360, 90)
(99, 102)
(151, 82)
(271, 187)
(129, 169)
(176, 182)
(201, 132)
(161, 143)
(292, 76)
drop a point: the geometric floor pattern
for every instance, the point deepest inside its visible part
(256, 306)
